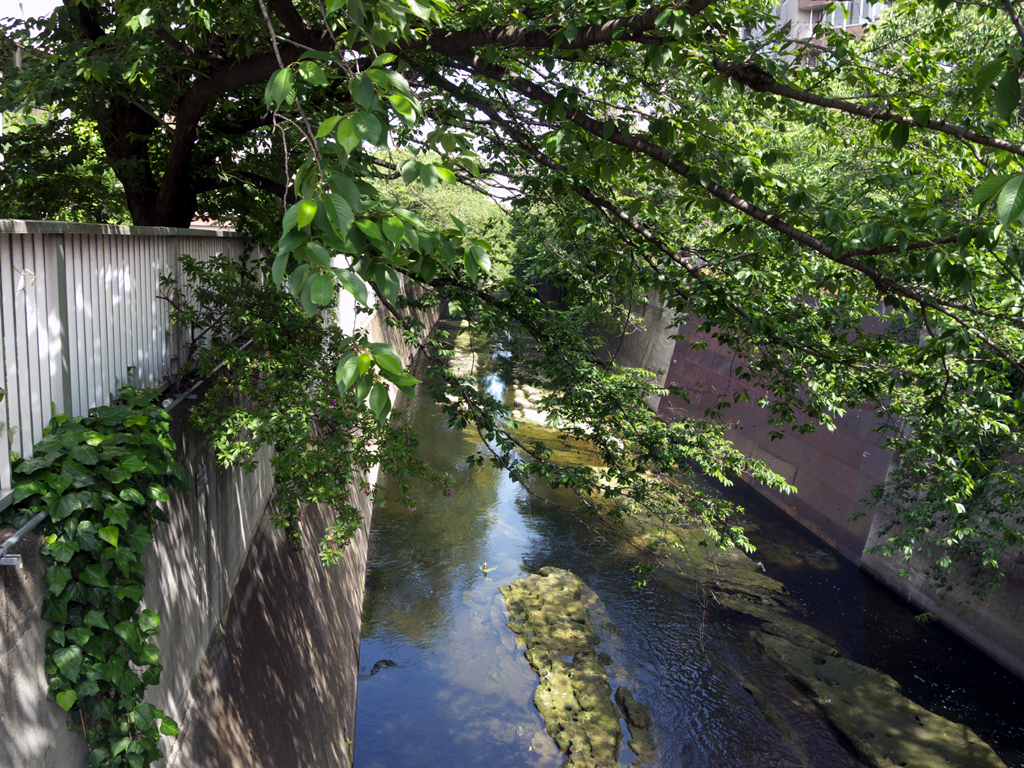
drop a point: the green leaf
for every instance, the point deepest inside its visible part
(168, 727)
(94, 576)
(1007, 95)
(280, 265)
(344, 186)
(347, 372)
(394, 229)
(1010, 204)
(55, 608)
(57, 577)
(70, 503)
(471, 264)
(319, 254)
(280, 89)
(389, 362)
(353, 284)
(388, 282)
(109, 534)
(79, 635)
(68, 661)
(364, 361)
(307, 210)
(120, 745)
(140, 538)
(363, 92)
(363, 388)
(898, 137)
(380, 403)
(117, 514)
(132, 496)
(367, 127)
(327, 126)
(428, 175)
(369, 228)
(297, 279)
(445, 174)
(149, 621)
(143, 715)
(125, 559)
(291, 217)
(483, 259)
(56, 634)
(157, 492)
(62, 551)
(383, 60)
(921, 116)
(321, 291)
(128, 632)
(306, 297)
(340, 213)
(96, 618)
(347, 136)
(313, 72)
(988, 189)
(410, 171)
(66, 700)
(28, 466)
(402, 106)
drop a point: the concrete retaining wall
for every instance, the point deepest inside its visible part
(833, 472)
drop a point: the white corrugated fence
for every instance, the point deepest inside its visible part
(79, 309)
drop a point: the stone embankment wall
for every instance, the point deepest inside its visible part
(260, 644)
(833, 472)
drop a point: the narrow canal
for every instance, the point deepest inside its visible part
(460, 692)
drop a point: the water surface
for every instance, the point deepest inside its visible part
(461, 693)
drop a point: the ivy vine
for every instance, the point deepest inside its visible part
(99, 478)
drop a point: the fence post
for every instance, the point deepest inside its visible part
(59, 342)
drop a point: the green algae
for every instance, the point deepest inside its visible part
(573, 695)
(884, 727)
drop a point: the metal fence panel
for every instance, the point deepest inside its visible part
(79, 307)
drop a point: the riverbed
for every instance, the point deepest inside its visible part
(460, 692)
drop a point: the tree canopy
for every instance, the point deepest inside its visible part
(842, 211)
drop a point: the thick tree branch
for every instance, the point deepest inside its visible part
(757, 79)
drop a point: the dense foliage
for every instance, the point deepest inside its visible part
(98, 477)
(282, 378)
(850, 228)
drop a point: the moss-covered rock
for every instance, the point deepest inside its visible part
(884, 727)
(573, 695)
(638, 720)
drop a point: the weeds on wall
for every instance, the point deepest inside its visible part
(99, 478)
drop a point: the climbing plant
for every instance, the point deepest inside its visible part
(99, 478)
(284, 378)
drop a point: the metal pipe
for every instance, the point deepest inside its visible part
(6, 559)
(188, 392)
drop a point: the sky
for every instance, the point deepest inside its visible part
(24, 9)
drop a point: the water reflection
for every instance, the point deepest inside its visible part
(461, 693)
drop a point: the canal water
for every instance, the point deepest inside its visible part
(460, 692)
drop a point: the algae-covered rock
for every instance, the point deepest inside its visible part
(638, 720)
(635, 713)
(573, 695)
(778, 623)
(884, 727)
